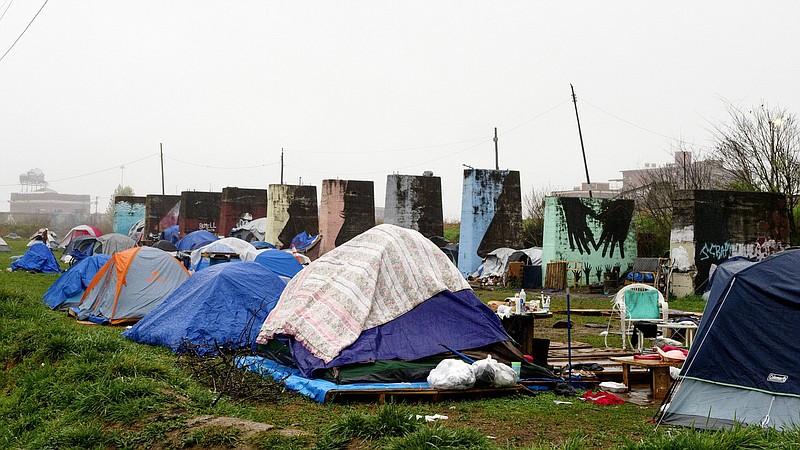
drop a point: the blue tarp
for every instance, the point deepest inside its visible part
(280, 262)
(195, 240)
(313, 388)
(748, 336)
(260, 245)
(170, 234)
(226, 303)
(69, 287)
(38, 258)
(303, 241)
(458, 320)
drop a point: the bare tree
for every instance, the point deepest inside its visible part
(656, 190)
(761, 149)
(533, 214)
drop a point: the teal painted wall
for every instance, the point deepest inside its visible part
(597, 232)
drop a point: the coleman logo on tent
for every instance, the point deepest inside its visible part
(777, 378)
(155, 277)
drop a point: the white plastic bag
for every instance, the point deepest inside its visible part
(452, 374)
(494, 373)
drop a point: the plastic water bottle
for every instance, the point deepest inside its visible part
(524, 299)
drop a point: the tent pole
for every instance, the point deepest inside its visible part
(569, 339)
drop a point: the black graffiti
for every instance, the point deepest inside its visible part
(578, 231)
(615, 217)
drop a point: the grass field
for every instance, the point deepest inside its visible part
(66, 385)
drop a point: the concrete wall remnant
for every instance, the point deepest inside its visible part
(712, 226)
(199, 211)
(161, 212)
(347, 209)
(240, 206)
(415, 202)
(491, 215)
(127, 211)
(291, 209)
(596, 234)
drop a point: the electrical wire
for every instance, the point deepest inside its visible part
(218, 167)
(23, 31)
(7, 2)
(90, 173)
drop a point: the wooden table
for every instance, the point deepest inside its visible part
(659, 371)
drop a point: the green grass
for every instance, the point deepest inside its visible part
(66, 385)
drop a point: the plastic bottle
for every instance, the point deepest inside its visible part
(524, 298)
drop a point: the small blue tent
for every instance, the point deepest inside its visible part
(68, 289)
(225, 303)
(281, 262)
(38, 258)
(170, 234)
(195, 240)
(744, 365)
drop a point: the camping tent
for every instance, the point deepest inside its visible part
(170, 234)
(383, 299)
(68, 289)
(281, 262)
(496, 262)
(228, 247)
(80, 230)
(166, 246)
(38, 258)
(223, 305)
(39, 237)
(130, 285)
(744, 365)
(113, 243)
(195, 240)
(136, 231)
(79, 248)
(255, 230)
(723, 273)
(4, 246)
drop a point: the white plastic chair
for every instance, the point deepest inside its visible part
(626, 321)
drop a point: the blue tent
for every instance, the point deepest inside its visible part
(303, 241)
(744, 365)
(68, 289)
(195, 240)
(281, 262)
(170, 234)
(225, 303)
(38, 258)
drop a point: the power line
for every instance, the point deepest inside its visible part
(7, 2)
(90, 173)
(23, 31)
(218, 167)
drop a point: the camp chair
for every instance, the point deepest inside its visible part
(639, 302)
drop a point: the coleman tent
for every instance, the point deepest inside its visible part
(255, 230)
(744, 365)
(223, 305)
(67, 291)
(387, 305)
(130, 285)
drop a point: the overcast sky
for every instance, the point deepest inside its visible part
(358, 90)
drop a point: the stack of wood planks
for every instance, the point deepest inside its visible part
(556, 275)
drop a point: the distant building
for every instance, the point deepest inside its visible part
(48, 201)
(682, 167)
(598, 190)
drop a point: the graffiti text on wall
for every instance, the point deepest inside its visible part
(757, 250)
(208, 226)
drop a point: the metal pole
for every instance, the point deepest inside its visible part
(569, 338)
(496, 160)
(580, 135)
(161, 146)
(281, 165)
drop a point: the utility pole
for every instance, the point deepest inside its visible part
(281, 165)
(161, 146)
(580, 135)
(496, 160)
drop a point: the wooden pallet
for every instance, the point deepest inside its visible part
(381, 396)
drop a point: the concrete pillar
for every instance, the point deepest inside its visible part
(347, 209)
(491, 215)
(161, 212)
(127, 211)
(415, 202)
(291, 209)
(238, 204)
(199, 211)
